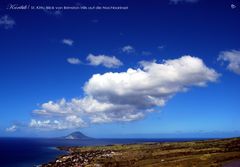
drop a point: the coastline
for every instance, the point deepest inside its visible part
(218, 152)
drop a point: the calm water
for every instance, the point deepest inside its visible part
(24, 152)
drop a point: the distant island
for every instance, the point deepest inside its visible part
(76, 136)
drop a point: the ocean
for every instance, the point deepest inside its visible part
(27, 152)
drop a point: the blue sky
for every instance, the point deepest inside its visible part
(49, 58)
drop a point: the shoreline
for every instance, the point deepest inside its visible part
(213, 152)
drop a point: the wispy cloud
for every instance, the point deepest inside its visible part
(233, 6)
(128, 49)
(12, 128)
(232, 57)
(73, 60)
(106, 61)
(125, 96)
(161, 47)
(187, 1)
(70, 122)
(67, 41)
(7, 22)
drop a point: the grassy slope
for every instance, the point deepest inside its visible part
(178, 154)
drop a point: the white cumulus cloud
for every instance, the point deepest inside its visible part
(149, 86)
(127, 96)
(232, 58)
(68, 41)
(53, 108)
(107, 61)
(74, 60)
(7, 22)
